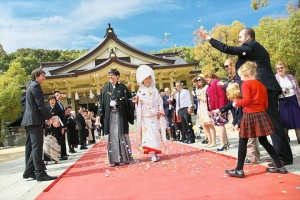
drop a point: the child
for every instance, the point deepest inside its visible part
(234, 94)
(151, 121)
(255, 122)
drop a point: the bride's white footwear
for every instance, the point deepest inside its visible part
(155, 158)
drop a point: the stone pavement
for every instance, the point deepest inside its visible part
(12, 164)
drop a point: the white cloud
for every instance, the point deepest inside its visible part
(66, 27)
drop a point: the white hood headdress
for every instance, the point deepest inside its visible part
(143, 72)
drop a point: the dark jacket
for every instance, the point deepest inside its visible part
(252, 51)
(36, 112)
(166, 105)
(124, 105)
(23, 102)
(80, 122)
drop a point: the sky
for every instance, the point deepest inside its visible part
(148, 25)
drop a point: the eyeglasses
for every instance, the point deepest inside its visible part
(280, 68)
(226, 66)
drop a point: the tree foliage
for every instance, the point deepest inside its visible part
(210, 59)
(257, 4)
(185, 51)
(10, 94)
(281, 38)
(30, 58)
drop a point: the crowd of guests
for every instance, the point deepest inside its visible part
(253, 95)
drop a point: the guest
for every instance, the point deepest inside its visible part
(116, 110)
(168, 110)
(216, 98)
(81, 128)
(206, 120)
(51, 130)
(61, 115)
(253, 152)
(255, 121)
(176, 123)
(251, 50)
(91, 114)
(197, 124)
(289, 100)
(28, 148)
(89, 127)
(184, 111)
(150, 114)
(71, 129)
(33, 120)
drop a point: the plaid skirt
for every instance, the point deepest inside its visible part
(256, 124)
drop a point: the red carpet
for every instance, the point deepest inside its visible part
(184, 172)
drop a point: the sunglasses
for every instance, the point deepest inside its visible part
(226, 66)
(280, 67)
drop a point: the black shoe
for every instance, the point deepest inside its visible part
(235, 173)
(281, 170)
(190, 142)
(205, 141)
(198, 137)
(185, 141)
(46, 178)
(223, 148)
(64, 158)
(26, 176)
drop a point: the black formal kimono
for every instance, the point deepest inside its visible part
(124, 106)
(115, 122)
(63, 136)
(72, 132)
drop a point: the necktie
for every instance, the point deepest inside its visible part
(179, 99)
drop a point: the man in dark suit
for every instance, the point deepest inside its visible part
(81, 128)
(168, 110)
(28, 148)
(34, 118)
(251, 50)
(61, 115)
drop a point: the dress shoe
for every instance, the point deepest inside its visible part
(281, 170)
(26, 176)
(190, 142)
(64, 158)
(205, 141)
(235, 173)
(46, 178)
(223, 148)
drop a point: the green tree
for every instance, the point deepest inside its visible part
(185, 51)
(280, 37)
(10, 94)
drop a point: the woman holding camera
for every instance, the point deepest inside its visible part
(289, 100)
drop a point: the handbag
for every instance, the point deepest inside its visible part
(51, 148)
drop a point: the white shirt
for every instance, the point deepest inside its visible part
(286, 84)
(185, 99)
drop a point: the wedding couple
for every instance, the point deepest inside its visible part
(116, 111)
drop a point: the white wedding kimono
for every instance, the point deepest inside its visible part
(151, 132)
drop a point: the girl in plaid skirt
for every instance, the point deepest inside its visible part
(255, 121)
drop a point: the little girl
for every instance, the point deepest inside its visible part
(255, 122)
